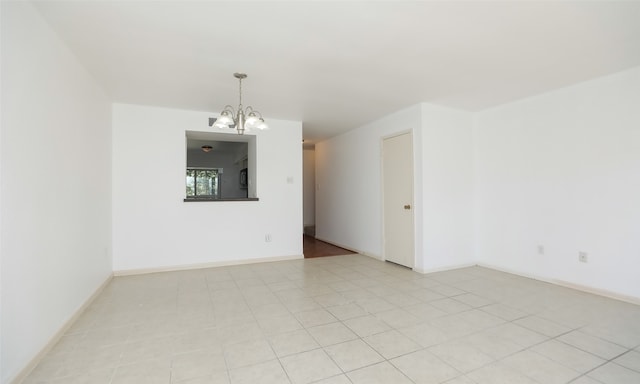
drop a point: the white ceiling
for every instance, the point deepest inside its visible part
(338, 65)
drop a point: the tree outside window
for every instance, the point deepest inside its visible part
(203, 182)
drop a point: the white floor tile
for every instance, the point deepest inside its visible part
(197, 364)
(286, 344)
(398, 318)
(543, 326)
(381, 373)
(221, 377)
(340, 379)
(309, 366)
(147, 372)
(423, 367)
(460, 355)
(517, 334)
(375, 304)
(366, 325)
(504, 311)
(391, 344)
(497, 373)
(269, 372)
(353, 354)
(492, 344)
(347, 311)
(424, 334)
(460, 380)
(332, 333)
(315, 317)
(629, 360)
(540, 368)
(248, 353)
(279, 322)
(592, 344)
(585, 380)
(450, 306)
(425, 311)
(273, 325)
(472, 300)
(102, 376)
(568, 356)
(612, 373)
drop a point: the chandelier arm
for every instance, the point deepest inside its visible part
(250, 109)
(230, 109)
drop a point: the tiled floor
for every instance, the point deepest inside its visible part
(345, 319)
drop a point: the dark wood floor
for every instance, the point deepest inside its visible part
(313, 247)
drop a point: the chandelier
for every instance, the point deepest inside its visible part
(242, 119)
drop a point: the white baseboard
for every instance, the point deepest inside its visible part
(58, 335)
(443, 269)
(597, 291)
(224, 263)
(567, 284)
(371, 255)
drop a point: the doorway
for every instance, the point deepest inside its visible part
(397, 189)
(313, 247)
(309, 190)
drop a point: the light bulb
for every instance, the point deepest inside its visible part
(252, 120)
(219, 124)
(262, 125)
(225, 119)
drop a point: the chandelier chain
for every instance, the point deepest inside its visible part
(240, 87)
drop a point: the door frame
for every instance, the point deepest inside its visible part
(413, 193)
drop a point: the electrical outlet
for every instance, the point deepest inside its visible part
(267, 238)
(582, 257)
(540, 249)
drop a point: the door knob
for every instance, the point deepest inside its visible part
(408, 206)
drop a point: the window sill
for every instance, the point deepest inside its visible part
(192, 199)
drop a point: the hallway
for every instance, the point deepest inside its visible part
(313, 247)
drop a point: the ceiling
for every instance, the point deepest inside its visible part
(217, 146)
(218, 141)
(338, 65)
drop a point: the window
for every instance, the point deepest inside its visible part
(208, 154)
(203, 182)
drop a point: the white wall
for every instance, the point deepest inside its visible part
(348, 201)
(154, 228)
(55, 186)
(562, 170)
(1, 213)
(348, 179)
(447, 188)
(309, 186)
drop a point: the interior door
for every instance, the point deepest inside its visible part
(397, 160)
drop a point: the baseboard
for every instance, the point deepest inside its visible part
(566, 284)
(371, 255)
(443, 269)
(339, 245)
(58, 335)
(597, 291)
(224, 263)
